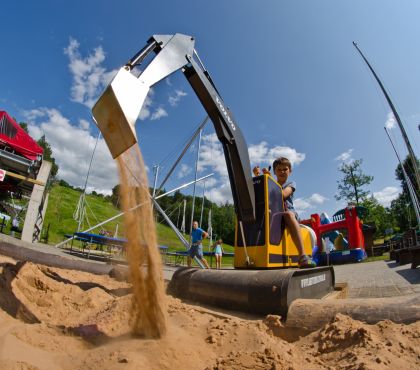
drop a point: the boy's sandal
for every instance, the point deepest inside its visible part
(306, 262)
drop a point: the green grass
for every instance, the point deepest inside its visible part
(379, 241)
(62, 204)
(384, 257)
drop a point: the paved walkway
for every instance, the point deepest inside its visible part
(365, 280)
(378, 279)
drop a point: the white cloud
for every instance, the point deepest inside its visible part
(304, 206)
(72, 147)
(261, 154)
(390, 122)
(345, 157)
(84, 124)
(386, 195)
(89, 77)
(184, 170)
(212, 158)
(317, 198)
(176, 97)
(145, 110)
(210, 182)
(158, 114)
(220, 194)
(301, 205)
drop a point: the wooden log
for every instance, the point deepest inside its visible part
(312, 314)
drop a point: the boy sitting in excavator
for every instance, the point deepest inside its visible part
(282, 168)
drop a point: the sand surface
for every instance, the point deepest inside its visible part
(52, 318)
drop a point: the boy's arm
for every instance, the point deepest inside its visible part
(287, 191)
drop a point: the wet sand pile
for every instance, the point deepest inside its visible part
(52, 318)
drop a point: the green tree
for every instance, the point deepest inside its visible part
(24, 125)
(64, 183)
(402, 207)
(403, 212)
(224, 222)
(354, 180)
(43, 143)
(379, 215)
(115, 196)
(399, 174)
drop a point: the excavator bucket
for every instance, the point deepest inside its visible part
(116, 111)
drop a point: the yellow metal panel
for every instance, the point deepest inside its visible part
(257, 256)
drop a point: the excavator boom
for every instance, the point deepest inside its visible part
(117, 109)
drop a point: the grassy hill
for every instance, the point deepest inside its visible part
(62, 205)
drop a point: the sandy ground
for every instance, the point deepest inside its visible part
(52, 318)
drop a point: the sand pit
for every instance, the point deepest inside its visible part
(52, 318)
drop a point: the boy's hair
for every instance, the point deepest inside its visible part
(282, 160)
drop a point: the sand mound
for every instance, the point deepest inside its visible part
(63, 298)
(81, 321)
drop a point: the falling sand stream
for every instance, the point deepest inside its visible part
(148, 307)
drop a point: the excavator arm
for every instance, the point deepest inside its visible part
(117, 109)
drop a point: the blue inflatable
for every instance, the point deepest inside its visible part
(339, 257)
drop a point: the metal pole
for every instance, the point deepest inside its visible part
(156, 172)
(397, 118)
(202, 204)
(411, 191)
(195, 181)
(179, 212)
(184, 151)
(184, 186)
(210, 229)
(183, 217)
(82, 201)
(177, 232)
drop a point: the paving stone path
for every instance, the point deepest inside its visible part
(378, 279)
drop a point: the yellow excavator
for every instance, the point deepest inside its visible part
(265, 278)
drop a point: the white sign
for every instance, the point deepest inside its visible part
(304, 283)
(2, 174)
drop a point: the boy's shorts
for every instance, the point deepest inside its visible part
(196, 250)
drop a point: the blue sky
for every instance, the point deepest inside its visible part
(287, 70)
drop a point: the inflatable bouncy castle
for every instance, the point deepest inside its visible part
(340, 240)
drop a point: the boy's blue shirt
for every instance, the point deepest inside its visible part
(289, 200)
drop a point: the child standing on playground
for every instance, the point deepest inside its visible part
(282, 168)
(218, 252)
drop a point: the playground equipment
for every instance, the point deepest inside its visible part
(352, 248)
(261, 240)
(336, 238)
